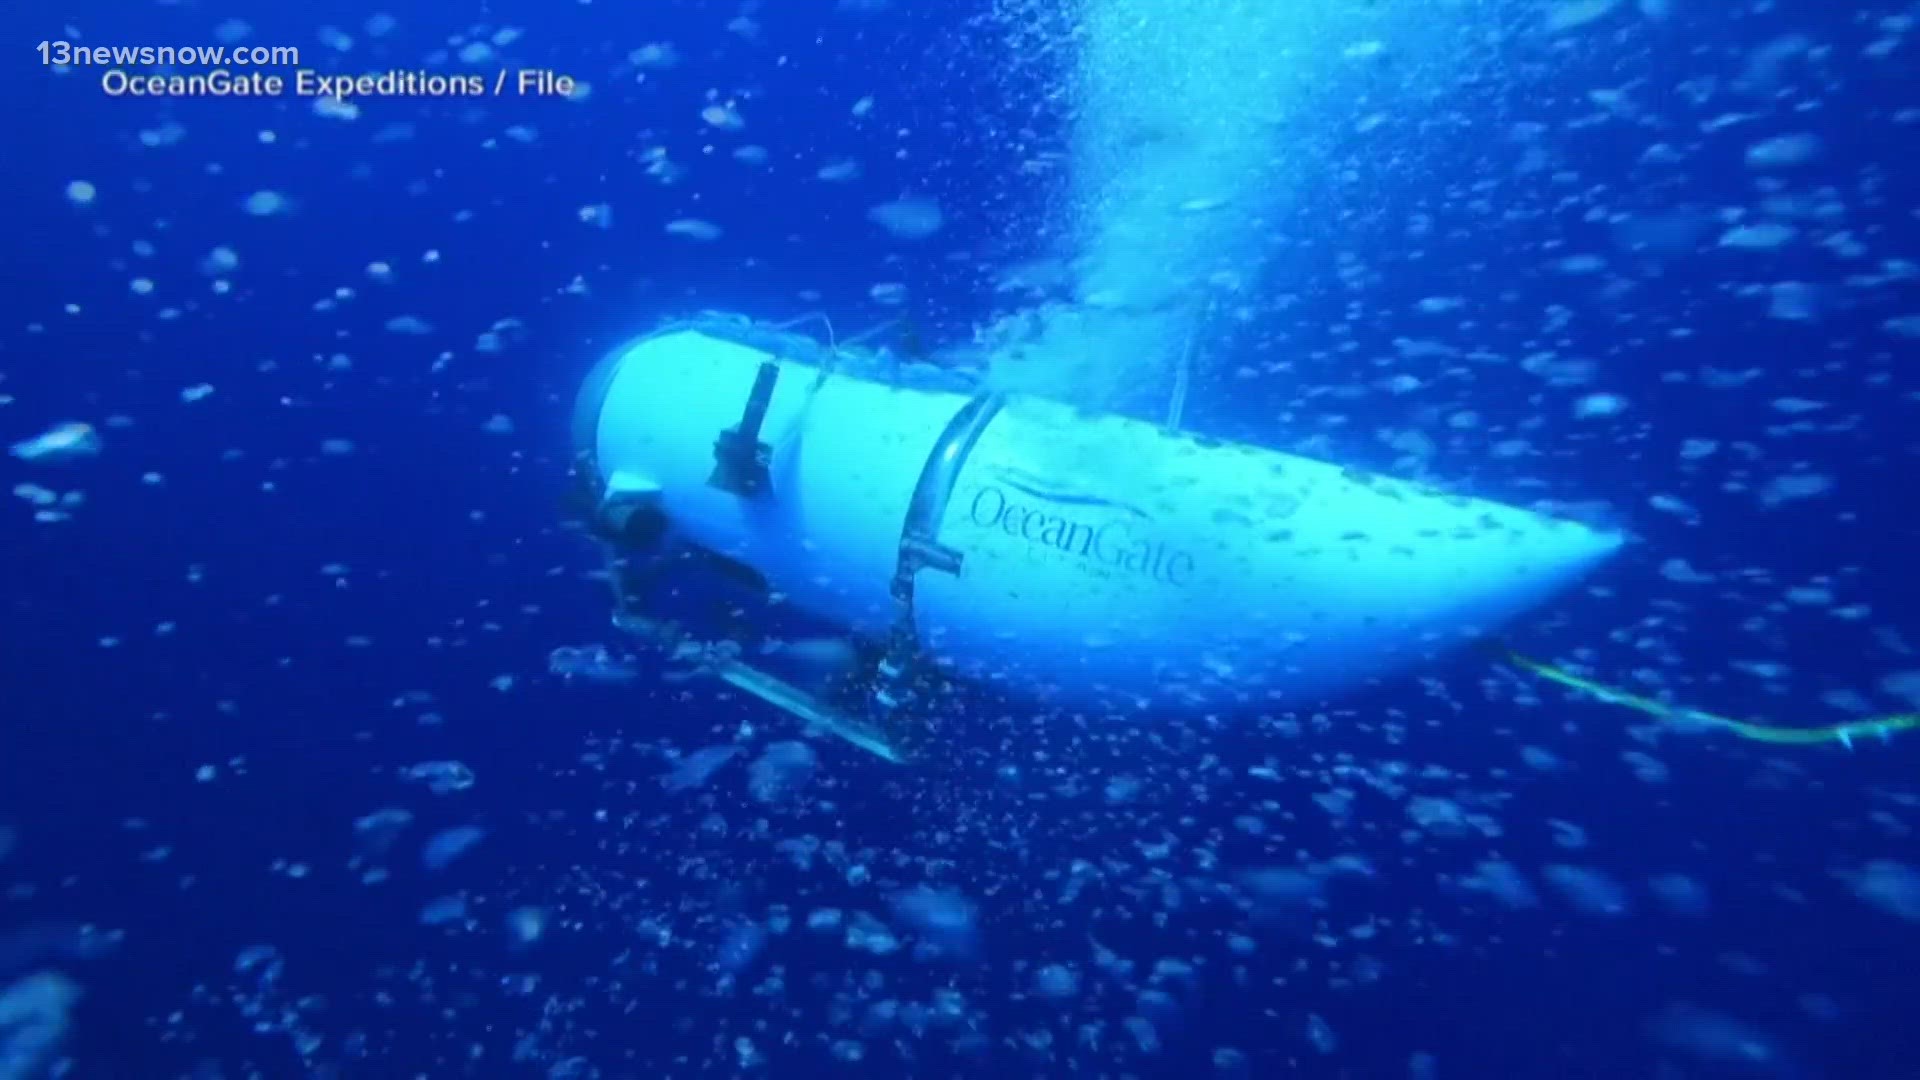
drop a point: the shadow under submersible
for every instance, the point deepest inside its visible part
(1087, 561)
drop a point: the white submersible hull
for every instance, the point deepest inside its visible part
(1095, 562)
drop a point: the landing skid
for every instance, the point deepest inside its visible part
(781, 694)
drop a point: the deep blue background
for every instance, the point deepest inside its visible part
(460, 570)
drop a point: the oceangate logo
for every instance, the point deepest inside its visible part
(1037, 512)
(1027, 483)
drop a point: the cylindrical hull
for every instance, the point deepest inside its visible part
(1104, 562)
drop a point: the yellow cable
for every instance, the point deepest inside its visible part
(1882, 726)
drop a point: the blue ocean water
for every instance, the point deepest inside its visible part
(287, 787)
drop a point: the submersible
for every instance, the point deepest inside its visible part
(1085, 560)
(1094, 562)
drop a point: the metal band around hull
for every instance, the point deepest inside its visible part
(920, 546)
(896, 686)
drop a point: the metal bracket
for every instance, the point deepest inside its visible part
(741, 461)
